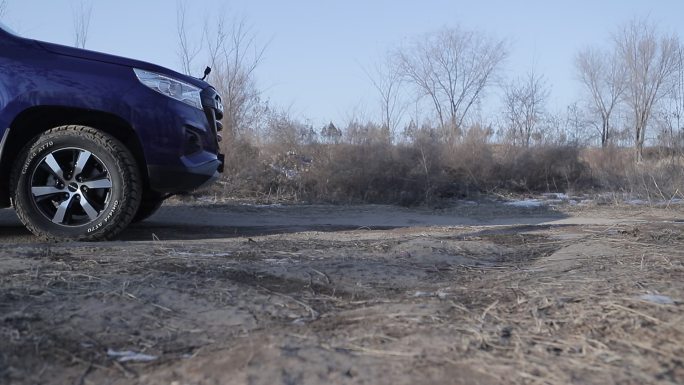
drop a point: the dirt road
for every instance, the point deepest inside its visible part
(209, 221)
(471, 294)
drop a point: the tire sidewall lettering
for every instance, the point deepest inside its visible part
(106, 218)
(34, 153)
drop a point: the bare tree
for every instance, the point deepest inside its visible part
(234, 56)
(525, 101)
(669, 117)
(676, 113)
(82, 16)
(387, 81)
(3, 8)
(187, 51)
(603, 76)
(452, 67)
(650, 61)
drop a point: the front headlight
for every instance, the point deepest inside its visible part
(173, 88)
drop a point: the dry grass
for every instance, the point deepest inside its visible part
(369, 169)
(587, 322)
(295, 165)
(659, 177)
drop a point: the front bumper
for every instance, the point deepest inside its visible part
(182, 143)
(178, 180)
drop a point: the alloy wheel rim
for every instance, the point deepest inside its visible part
(71, 187)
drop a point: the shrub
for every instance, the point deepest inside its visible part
(365, 167)
(541, 169)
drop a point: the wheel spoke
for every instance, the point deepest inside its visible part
(61, 211)
(83, 157)
(99, 183)
(40, 191)
(88, 208)
(51, 162)
(61, 183)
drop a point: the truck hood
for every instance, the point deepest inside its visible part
(118, 60)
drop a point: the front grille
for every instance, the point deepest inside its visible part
(213, 109)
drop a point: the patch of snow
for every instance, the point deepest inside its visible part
(556, 196)
(527, 203)
(128, 355)
(204, 255)
(441, 294)
(657, 299)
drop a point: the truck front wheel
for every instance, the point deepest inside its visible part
(76, 183)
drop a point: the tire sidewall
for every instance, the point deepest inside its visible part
(50, 143)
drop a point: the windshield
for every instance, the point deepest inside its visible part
(7, 29)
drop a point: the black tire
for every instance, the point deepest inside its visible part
(75, 183)
(149, 204)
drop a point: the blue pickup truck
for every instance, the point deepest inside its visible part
(91, 142)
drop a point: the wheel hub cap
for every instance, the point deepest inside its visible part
(71, 187)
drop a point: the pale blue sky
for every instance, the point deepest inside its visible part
(314, 62)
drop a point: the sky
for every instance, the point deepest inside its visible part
(317, 51)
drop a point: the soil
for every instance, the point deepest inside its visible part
(475, 293)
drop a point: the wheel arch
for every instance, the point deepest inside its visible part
(36, 120)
